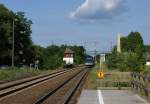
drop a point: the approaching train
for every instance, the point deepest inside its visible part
(68, 57)
(89, 61)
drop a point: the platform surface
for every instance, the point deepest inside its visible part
(110, 97)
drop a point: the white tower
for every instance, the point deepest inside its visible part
(118, 43)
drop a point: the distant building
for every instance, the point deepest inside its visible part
(147, 58)
(68, 57)
(103, 57)
(148, 63)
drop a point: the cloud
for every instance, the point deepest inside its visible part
(98, 10)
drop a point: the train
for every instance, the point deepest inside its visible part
(89, 61)
(68, 58)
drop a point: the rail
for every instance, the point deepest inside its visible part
(80, 76)
(12, 87)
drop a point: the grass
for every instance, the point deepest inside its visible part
(92, 78)
(10, 74)
(113, 78)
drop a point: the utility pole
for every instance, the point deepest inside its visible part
(13, 44)
(111, 46)
(95, 52)
(100, 63)
(84, 45)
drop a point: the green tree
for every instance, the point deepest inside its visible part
(78, 54)
(112, 60)
(132, 62)
(22, 36)
(132, 56)
(122, 62)
(147, 53)
(5, 35)
(133, 43)
(53, 55)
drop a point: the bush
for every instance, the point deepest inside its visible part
(53, 62)
(133, 62)
(127, 61)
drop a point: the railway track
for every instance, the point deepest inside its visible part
(21, 81)
(31, 90)
(64, 92)
(10, 88)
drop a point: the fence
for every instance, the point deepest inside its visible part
(115, 80)
(140, 83)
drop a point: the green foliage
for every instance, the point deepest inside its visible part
(53, 56)
(125, 62)
(22, 30)
(112, 60)
(79, 54)
(146, 70)
(52, 62)
(147, 48)
(132, 62)
(132, 56)
(35, 52)
(25, 52)
(147, 53)
(132, 43)
(121, 62)
(5, 34)
(92, 79)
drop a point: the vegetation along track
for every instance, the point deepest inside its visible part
(63, 94)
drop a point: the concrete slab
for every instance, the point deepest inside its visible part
(121, 97)
(110, 97)
(88, 97)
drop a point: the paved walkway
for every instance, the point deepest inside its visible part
(110, 97)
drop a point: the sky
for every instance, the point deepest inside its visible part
(92, 23)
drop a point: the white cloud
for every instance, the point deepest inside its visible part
(98, 9)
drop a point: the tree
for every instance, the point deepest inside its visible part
(133, 43)
(79, 54)
(25, 51)
(5, 35)
(112, 60)
(132, 62)
(132, 56)
(53, 55)
(22, 36)
(147, 53)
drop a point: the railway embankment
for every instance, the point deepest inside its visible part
(9, 74)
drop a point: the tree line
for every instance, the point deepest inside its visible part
(26, 52)
(133, 56)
